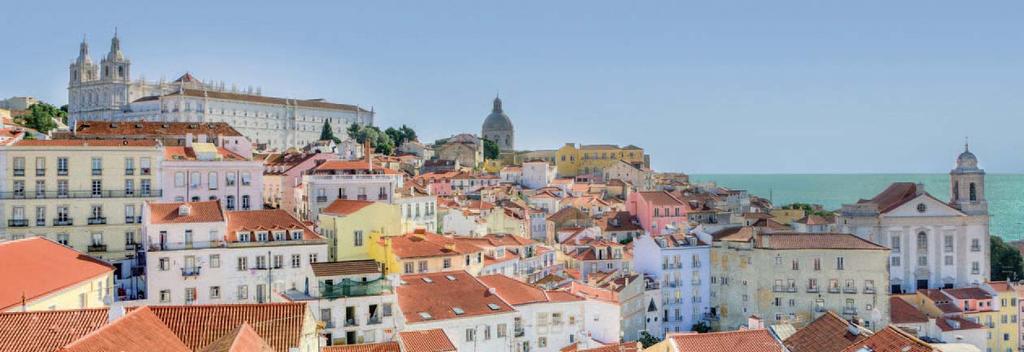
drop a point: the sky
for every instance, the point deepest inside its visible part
(704, 86)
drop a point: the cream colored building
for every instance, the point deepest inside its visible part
(85, 194)
(73, 281)
(795, 277)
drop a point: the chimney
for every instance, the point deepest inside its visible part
(919, 188)
(114, 313)
(184, 209)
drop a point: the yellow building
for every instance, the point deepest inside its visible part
(493, 166)
(1002, 323)
(425, 252)
(349, 224)
(786, 216)
(86, 194)
(50, 276)
(572, 161)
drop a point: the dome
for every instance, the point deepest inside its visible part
(497, 120)
(966, 161)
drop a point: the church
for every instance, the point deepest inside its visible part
(107, 92)
(934, 243)
(498, 128)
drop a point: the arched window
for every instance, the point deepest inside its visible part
(974, 193)
(956, 190)
(922, 241)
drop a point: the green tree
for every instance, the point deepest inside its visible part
(701, 327)
(1005, 261)
(380, 141)
(396, 136)
(40, 117)
(326, 134)
(408, 133)
(648, 340)
(491, 150)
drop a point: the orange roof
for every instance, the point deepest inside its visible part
(346, 206)
(168, 213)
(828, 333)
(279, 324)
(433, 340)
(87, 143)
(425, 244)
(891, 339)
(47, 331)
(186, 153)
(517, 293)
(156, 128)
(366, 347)
(138, 330)
(967, 293)
(265, 220)
(1000, 286)
(660, 198)
(901, 312)
(243, 339)
(362, 164)
(37, 266)
(446, 295)
(759, 340)
(788, 240)
(615, 347)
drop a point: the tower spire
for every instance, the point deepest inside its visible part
(966, 149)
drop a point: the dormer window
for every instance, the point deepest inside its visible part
(243, 237)
(296, 235)
(279, 236)
(261, 236)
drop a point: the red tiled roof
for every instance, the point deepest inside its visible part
(893, 196)
(945, 324)
(1000, 286)
(174, 153)
(361, 164)
(792, 240)
(660, 198)
(86, 143)
(242, 339)
(615, 347)
(415, 245)
(140, 330)
(265, 220)
(891, 339)
(828, 333)
(47, 331)
(366, 347)
(901, 312)
(618, 221)
(154, 128)
(346, 267)
(967, 293)
(168, 213)
(759, 340)
(433, 340)
(517, 293)
(346, 206)
(34, 267)
(279, 324)
(445, 292)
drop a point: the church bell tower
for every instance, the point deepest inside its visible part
(967, 184)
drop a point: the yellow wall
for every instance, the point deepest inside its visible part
(572, 160)
(79, 179)
(94, 291)
(492, 166)
(380, 251)
(786, 216)
(375, 219)
(1007, 309)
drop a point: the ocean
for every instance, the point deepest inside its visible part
(1005, 192)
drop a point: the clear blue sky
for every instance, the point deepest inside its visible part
(706, 87)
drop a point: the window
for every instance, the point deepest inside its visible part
(502, 329)
(278, 261)
(129, 166)
(243, 263)
(214, 292)
(895, 242)
(408, 268)
(245, 202)
(975, 245)
(973, 192)
(19, 166)
(246, 179)
(357, 238)
(230, 179)
(62, 166)
(922, 208)
(165, 296)
(190, 295)
(194, 180)
(312, 258)
(97, 166)
(62, 238)
(97, 188)
(447, 263)
(296, 260)
(894, 261)
(423, 266)
(212, 180)
(230, 202)
(470, 335)
(261, 262)
(796, 264)
(214, 260)
(165, 264)
(975, 268)
(243, 292)
(947, 260)
(145, 166)
(839, 263)
(542, 342)
(62, 188)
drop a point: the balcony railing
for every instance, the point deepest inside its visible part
(812, 289)
(98, 220)
(190, 272)
(711, 317)
(850, 310)
(97, 248)
(63, 222)
(131, 247)
(519, 332)
(40, 172)
(62, 172)
(869, 289)
(373, 321)
(81, 194)
(97, 172)
(132, 219)
(321, 199)
(351, 322)
(40, 222)
(17, 223)
(352, 288)
(329, 324)
(19, 172)
(833, 290)
(849, 289)
(129, 172)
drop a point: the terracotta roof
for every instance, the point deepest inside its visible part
(793, 240)
(175, 153)
(893, 196)
(353, 165)
(242, 339)
(37, 266)
(759, 340)
(425, 244)
(1000, 286)
(447, 295)
(315, 103)
(967, 293)
(346, 206)
(901, 312)
(366, 347)
(517, 293)
(734, 234)
(168, 213)
(947, 324)
(618, 221)
(828, 333)
(154, 128)
(140, 330)
(347, 267)
(615, 347)
(660, 198)
(279, 324)
(87, 143)
(265, 220)
(47, 331)
(814, 220)
(891, 339)
(433, 340)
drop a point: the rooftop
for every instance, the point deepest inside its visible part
(346, 206)
(348, 267)
(40, 267)
(196, 212)
(890, 339)
(279, 324)
(828, 333)
(433, 340)
(446, 295)
(155, 128)
(47, 331)
(759, 340)
(139, 330)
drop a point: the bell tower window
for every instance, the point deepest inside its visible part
(974, 193)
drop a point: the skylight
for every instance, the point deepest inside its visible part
(450, 278)
(427, 280)
(426, 316)
(458, 311)
(493, 306)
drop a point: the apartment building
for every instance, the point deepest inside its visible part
(545, 320)
(50, 276)
(346, 179)
(203, 171)
(348, 224)
(682, 265)
(421, 252)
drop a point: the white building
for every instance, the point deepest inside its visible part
(682, 265)
(202, 171)
(615, 307)
(934, 243)
(198, 254)
(347, 179)
(419, 208)
(546, 320)
(353, 300)
(537, 174)
(472, 316)
(640, 177)
(107, 92)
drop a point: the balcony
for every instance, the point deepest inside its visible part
(849, 311)
(133, 220)
(711, 317)
(64, 194)
(129, 172)
(352, 288)
(849, 289)
(833, 290)
(97, 247)
(869, 290)
(98, 220)
(19, 172)
(321, 199)
(329, 324)
(131, 247)
(190, 272)
(63, 222)
(519, 332)
(351, 322)
(62, 172)
(791, 289)
(97, 172)
(17, 223)
(40, 222)
(40, 172)
(373, 321)
(145, 171)
(812, 289)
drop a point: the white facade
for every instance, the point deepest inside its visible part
(460, 223)
(361, 314)
(683, 269)
(469, 333)
(237, 183)
(322, 190)
(549, 326)
(419, 211)
(537, 174)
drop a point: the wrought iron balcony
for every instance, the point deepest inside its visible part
(97, 247)
(19, 172)
(97, 172)
(64, 194)
(849, 289)
(373, 321)
(351, 322)
(40, 172)
(833, 290)
(321, 199)
(352, 288)
(190, 272)
(849, 310)
(129, 171)
(98, 220)
(17, 223)
(813, 289)
(62, 172)
(63, 222)
(869, 289)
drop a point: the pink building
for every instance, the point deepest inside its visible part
(657, 210)
(204, 171)
(283, 174)
(439, 183)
